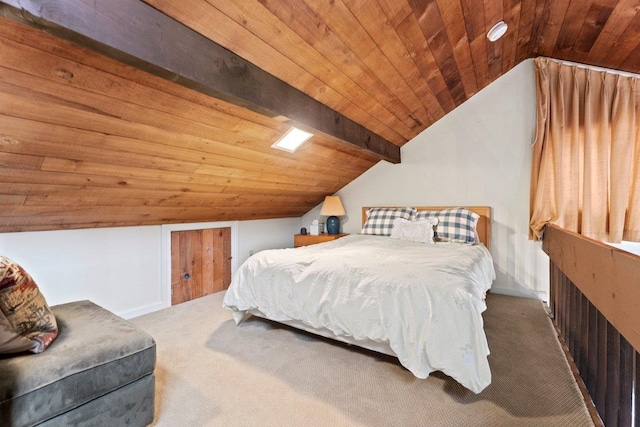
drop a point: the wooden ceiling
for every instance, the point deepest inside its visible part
(90, 141)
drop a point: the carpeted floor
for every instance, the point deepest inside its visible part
(213, 373)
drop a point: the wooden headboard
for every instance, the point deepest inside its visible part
(484, 223)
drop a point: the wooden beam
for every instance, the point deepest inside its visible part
(135, 33)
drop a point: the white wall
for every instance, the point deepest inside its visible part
(258, 235)
(117, 268)
(479, 154)
(126, 269)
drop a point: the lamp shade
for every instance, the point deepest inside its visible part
(332, 207)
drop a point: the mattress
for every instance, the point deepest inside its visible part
(424, 300)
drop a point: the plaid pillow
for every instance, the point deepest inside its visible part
(454, 225)
(380, 220)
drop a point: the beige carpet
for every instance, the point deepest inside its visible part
(212, 373)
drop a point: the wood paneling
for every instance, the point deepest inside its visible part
(86, 140)
(607, 276)
(139, 35)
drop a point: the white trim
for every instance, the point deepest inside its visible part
(139, 311)
(165, 256)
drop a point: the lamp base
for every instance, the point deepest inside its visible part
(333, 225)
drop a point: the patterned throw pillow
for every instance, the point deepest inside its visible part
(26, 321)
(380, 220)
(456, 225)
(11, 341)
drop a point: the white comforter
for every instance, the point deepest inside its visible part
(425, 300)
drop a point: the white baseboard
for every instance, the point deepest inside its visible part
(139, 311)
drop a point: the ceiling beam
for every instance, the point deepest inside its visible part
(136, 34)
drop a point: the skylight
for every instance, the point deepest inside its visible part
(292, 140)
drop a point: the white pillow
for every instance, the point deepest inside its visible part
(414, 231)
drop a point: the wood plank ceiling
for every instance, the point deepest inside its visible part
(87, 141)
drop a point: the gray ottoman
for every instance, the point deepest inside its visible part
(98, 372)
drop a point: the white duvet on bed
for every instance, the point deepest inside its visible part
(425, 300)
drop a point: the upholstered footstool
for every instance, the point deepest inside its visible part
(98, 372)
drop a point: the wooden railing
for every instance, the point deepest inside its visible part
(595, 301)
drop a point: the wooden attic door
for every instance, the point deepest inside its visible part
(200, 263)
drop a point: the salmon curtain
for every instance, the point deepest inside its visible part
(585, 174)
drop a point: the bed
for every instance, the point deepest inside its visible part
(418, 300)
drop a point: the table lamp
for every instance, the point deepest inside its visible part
(332, 207)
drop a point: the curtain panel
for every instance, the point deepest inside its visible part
(585, 174)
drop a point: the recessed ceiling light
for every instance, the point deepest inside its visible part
(292, 140)
(497, 31)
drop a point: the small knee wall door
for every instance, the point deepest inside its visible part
(200, 263)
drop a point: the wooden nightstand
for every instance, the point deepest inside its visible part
(308, 239)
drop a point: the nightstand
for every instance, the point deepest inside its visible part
(308, 239)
